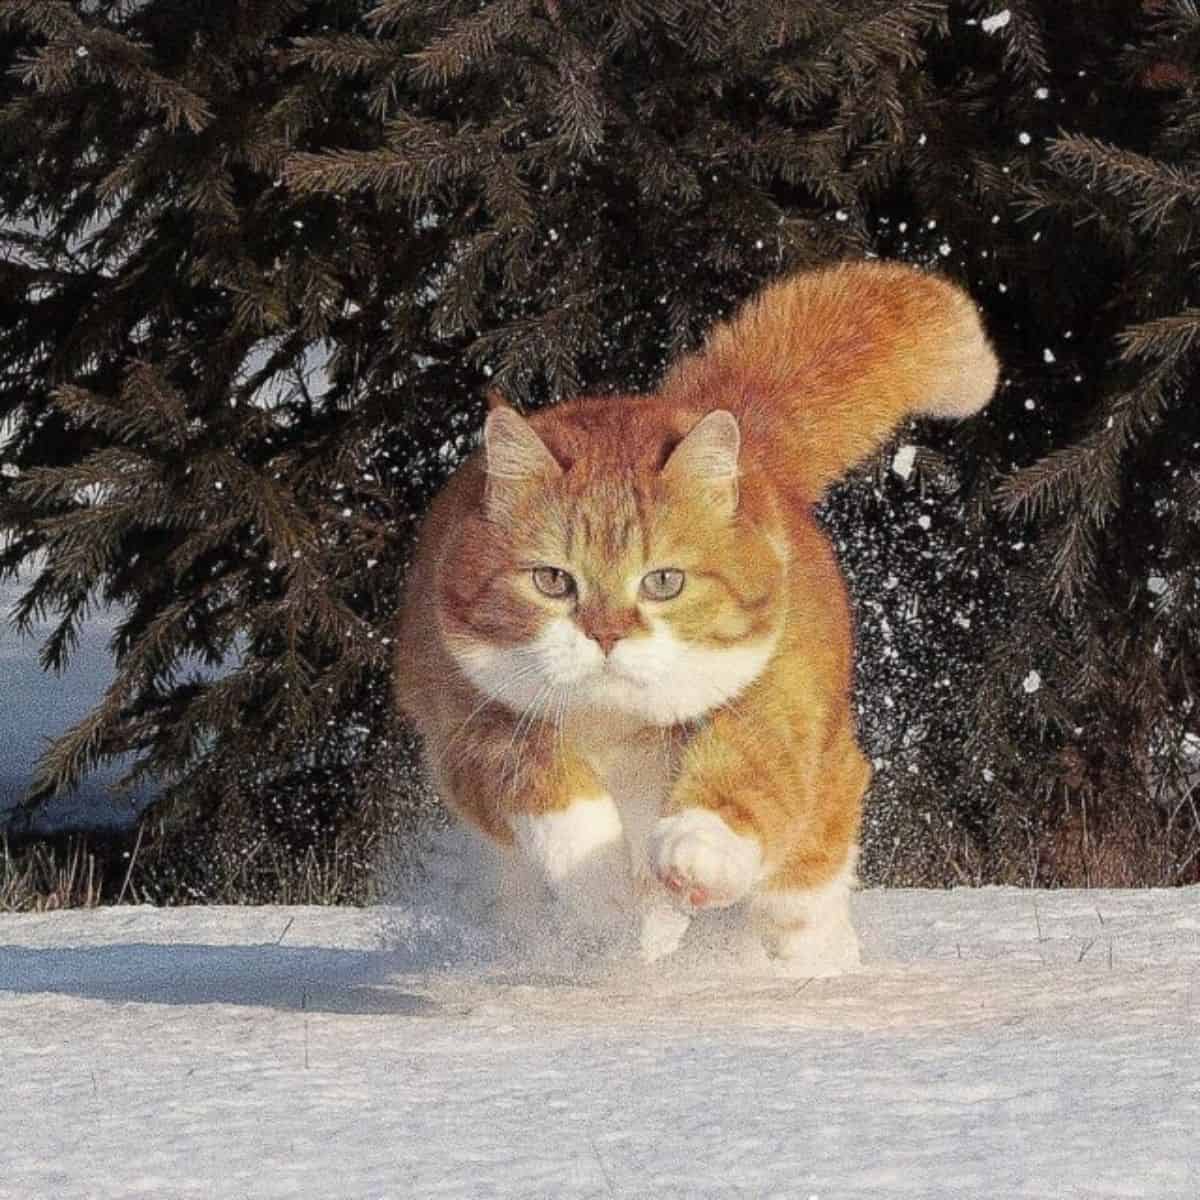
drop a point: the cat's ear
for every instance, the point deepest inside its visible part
(708, 456)
(514, 456)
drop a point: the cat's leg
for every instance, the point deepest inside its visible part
(702, 861)
(640, 781)
(545, 805)
(580, 851)
(805, 922)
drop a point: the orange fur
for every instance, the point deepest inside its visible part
(816, 371)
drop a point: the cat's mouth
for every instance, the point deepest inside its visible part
(611, 670)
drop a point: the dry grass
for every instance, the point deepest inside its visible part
(39, 877)
(79, 872)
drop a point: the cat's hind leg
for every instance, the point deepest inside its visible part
(808, 928)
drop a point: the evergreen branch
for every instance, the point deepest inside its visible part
(1047, 486)
(148, 410)
(50, 18)
(64, 763)
(343, 54)
(462, 285)
(1022, 38)
(111, 469)
(419, 160)
(106, 57)
(467, 42)
(1164, 338)
(81, 545)
(1156, 190)
(578, 108)
(890, 34)
(391, 14)
(507, 196)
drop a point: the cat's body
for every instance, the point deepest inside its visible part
(626, 642)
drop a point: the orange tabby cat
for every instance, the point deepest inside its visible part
(626, 642)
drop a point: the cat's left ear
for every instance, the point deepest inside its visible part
(708, 455)
(514, 456)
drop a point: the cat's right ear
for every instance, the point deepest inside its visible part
(514, 457)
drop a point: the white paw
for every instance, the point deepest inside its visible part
(816, 953)
(810, 932)
(580, 851)
(700, 860)
(663, 927)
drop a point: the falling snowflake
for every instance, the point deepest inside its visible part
(1031, 682)
(997, 21)
(903, 463)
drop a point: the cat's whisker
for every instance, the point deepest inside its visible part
(561, 717)
(518, 677)
(524, 724)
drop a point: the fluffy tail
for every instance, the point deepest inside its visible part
(821, 367)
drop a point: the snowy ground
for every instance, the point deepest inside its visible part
(997, 1044)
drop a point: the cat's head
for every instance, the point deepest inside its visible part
(611, 578)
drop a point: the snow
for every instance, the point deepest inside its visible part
(1031, 682)
(996, 22)
(997, 1043)
(904, 461)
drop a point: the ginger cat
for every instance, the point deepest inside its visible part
(626, 642)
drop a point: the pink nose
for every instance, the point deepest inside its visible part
(606, 640)
(606, 627)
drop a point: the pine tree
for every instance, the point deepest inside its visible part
(175, 450)
(266, 258)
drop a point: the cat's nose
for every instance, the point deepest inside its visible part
(606, 629)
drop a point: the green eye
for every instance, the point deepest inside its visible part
(552, 582)
(662, 585)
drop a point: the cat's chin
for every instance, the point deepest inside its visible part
(610, 692)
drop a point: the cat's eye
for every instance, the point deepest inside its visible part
(662, 585)
(553, 582)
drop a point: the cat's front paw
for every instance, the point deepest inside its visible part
(580, 851)
(701, 861)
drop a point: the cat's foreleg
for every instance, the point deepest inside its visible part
(702, 860)
(580, 851)
(552, 812)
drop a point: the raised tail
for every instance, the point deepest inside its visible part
(821, 367)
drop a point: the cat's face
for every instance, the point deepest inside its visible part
(638, 592)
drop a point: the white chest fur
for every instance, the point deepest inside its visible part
(635, 764)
